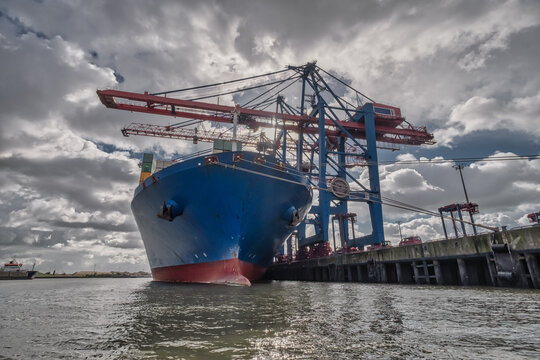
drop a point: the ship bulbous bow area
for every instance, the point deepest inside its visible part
(219, 221)
(224, 272)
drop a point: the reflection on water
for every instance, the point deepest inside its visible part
(136, 318)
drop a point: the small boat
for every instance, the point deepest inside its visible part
(13, 270)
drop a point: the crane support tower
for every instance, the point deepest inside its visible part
(471, 208)
(323, 128)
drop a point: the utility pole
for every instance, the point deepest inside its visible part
(459, 167)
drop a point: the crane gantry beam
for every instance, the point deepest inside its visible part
(386, 126)
(171, 132)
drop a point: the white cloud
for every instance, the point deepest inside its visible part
(480, 114)
(405, 180)
(428, 228)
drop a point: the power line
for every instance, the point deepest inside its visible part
(461, 160)
(405, 206)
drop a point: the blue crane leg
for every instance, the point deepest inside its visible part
(375, 208)
(342, 173)
(324, 199)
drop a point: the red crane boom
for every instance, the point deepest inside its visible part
(386, 126)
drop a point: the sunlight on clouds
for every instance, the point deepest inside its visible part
(405, 180)
(529, 186)
(116, 218)
(118, 192)
(428, 228)
(46, 209)
(70, 53)
(84, 97)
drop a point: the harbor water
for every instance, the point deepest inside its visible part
(141, 319)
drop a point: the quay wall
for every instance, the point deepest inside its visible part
(509, 258)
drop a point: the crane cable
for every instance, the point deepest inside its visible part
(457, 160)
(404, 206)
(242, 89)
(218, 84)
(347, 85)
(272, 88)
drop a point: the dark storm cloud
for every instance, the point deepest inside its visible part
(85, 170)
(56, 177)
(119, 78)
(20, 27)
(88, 171)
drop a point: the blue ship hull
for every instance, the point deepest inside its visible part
(218, 219)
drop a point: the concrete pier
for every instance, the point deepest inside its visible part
(508, 259)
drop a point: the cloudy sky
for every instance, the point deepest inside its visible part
(468, 70)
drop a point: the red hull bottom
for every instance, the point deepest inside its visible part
(228, 272)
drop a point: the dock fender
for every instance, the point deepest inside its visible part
(292, 216)
(170, 210)
(499, 248)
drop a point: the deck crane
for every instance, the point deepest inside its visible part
(323, 138)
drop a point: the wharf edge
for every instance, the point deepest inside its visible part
(508, 258)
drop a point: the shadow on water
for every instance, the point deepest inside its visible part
(200, 321)
(389, 320)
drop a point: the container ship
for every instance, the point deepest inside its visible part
(217, 219)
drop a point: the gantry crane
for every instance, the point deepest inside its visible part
(323, 139)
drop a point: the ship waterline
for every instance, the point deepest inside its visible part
(226, 272)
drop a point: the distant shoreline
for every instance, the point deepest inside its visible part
(92, 275)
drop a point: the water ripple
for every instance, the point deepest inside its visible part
(139, 319)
